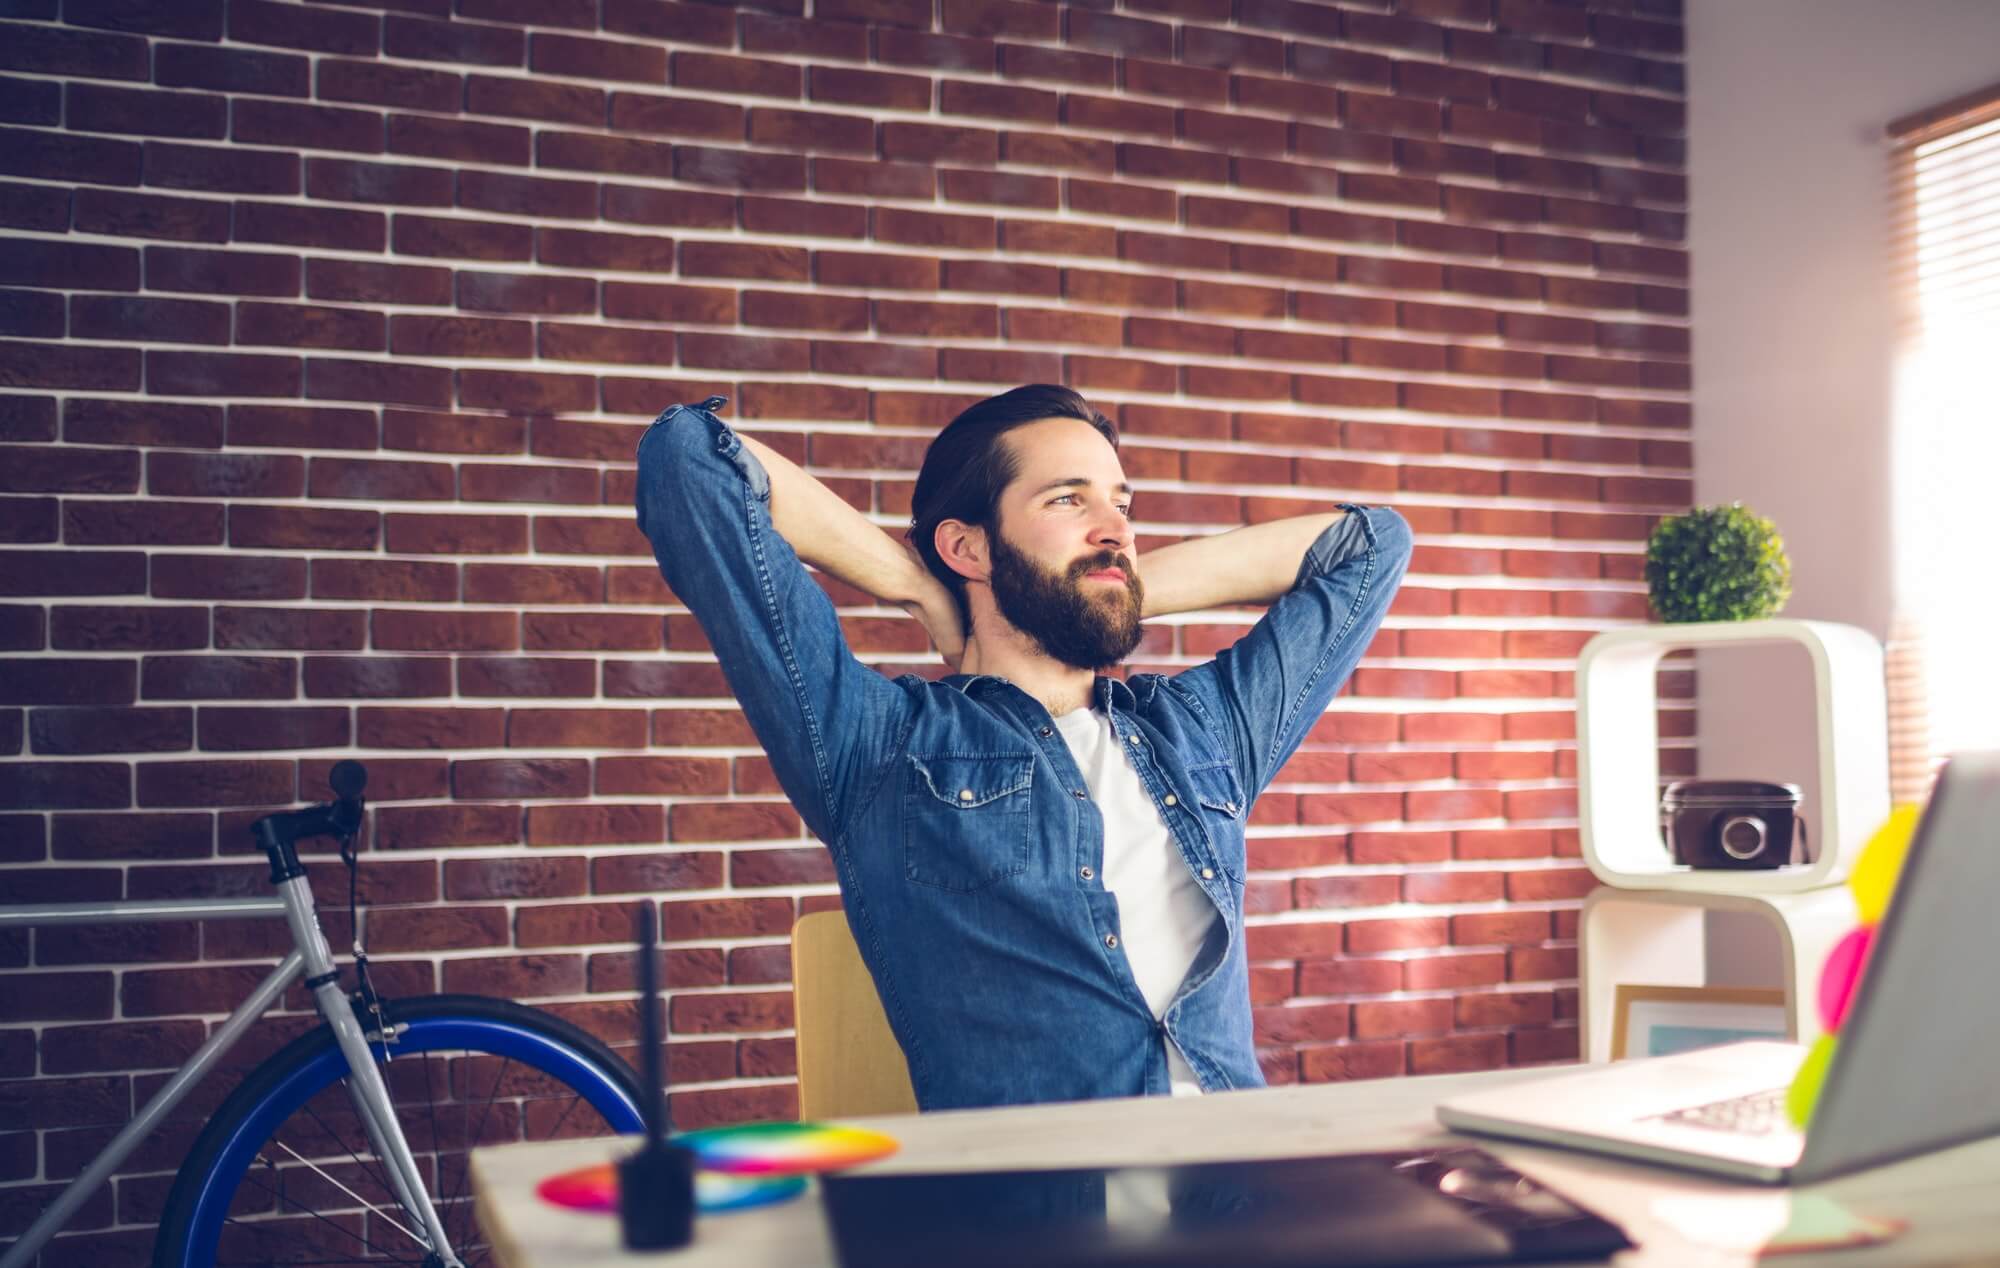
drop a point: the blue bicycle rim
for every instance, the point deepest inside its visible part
(425, 1034)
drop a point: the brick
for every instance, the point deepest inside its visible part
(280, 425)
(540, 877)
(516, 977)
(63, 156)
(72, 731)
(203, 784)
(424, 827)
(525, 393)
(1343, 65)
(626, 873)
(101, 108)
(420, 39)
(520, 778)
(727, 918)
(683, 23)
(1379, 1019)
(376, 676)
(352, 180)
(259, 730)
(526, 676)
(595, 825)
(584, 57)
(768, 33)
(715, 72)
(939, 143)
(583, 249)
(1345, 1061)
(381, 84)
(52, 50)
(319, 30)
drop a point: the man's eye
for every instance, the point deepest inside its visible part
(1126, 511)
(1066, 497)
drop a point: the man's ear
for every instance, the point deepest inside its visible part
(962, 546)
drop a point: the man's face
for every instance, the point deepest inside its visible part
(1061, 550)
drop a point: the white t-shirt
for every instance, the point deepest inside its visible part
(1163, 915)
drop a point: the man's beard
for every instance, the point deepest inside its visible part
(1066, 621)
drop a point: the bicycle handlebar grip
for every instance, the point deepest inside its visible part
(347, 779)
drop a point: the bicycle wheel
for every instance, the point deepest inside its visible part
(284, 1172)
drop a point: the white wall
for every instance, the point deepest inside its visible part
(1793, 319)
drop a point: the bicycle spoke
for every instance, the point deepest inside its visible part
(375, 1173)
(465, 1171)
(331, 1223)
(372, 1209)
(556, 1127)
(452, 1237)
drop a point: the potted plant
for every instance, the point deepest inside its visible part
(1717, 563)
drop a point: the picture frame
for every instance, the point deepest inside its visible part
(1655, 1021)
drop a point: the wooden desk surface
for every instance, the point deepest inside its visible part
(1951, 1199)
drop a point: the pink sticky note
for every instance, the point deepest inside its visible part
(1843, 970)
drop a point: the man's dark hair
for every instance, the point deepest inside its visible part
(966, 468)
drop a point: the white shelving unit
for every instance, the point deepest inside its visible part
(1646, 924)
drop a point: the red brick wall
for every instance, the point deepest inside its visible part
(329, 332)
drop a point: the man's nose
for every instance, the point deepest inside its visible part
(1112, 530)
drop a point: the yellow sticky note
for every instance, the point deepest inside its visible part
(1874, 876)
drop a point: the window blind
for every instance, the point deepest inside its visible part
(1944, 680)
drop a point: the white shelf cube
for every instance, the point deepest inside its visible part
(1618, 759)
(1654, 937)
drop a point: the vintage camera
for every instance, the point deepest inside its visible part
(1733, 824)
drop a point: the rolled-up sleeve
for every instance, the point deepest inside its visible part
(1265, 692)
(825, 720)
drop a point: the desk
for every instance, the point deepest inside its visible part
(1951, 1199)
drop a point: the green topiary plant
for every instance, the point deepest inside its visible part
(1717, 563)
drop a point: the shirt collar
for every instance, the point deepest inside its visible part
(1106, 693)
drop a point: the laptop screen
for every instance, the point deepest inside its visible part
(1914, 1066)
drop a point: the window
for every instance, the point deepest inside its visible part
(1944, 678)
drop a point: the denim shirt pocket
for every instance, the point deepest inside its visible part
(1223, 813)
(967, 819)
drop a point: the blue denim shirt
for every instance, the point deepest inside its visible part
(969, 852)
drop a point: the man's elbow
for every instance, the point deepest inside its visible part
(685, 466)
(1392, 534)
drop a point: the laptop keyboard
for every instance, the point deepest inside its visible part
(1758, 1114)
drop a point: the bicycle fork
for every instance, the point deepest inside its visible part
(365, 1085)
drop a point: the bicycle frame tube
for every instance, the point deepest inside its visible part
(365, 1085)
(197, 1068)
(131, 912)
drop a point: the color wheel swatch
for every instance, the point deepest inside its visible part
(783, 1149)
(595, 1188)
(753, 1165)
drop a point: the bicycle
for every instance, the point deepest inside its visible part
(290, 1171)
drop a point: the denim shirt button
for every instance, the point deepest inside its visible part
(1047, 731)
(1173, 800)
(1208, 873)
(1133, 738)
(1085, 873)
(1081, 795)
(965, 794)
(1111, 940)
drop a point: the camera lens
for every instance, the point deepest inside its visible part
(1743, 838)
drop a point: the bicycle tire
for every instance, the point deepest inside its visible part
(275, 1100)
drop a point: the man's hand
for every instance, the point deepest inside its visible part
(937, 612)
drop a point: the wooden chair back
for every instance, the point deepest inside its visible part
(849, 1061)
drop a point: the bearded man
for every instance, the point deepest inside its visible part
(1042, 864)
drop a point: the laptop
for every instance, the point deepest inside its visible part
(1912, 1072)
